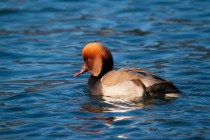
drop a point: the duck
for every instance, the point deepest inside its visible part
(129, 82)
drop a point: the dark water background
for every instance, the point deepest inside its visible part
(40, 50)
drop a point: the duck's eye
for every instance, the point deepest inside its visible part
(88, 62)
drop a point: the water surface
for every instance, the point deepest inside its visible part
(40, 51)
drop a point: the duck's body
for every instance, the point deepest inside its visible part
(126, 82)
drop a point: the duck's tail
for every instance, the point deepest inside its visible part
(166, 89)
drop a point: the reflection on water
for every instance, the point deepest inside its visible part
(40, 50)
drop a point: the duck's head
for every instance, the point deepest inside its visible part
(97, 59)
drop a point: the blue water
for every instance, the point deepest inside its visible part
(40, 51)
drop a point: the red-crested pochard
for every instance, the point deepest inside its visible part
(124, 83)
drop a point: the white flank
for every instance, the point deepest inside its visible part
(126, 89)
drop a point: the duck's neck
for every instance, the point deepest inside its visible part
(94, 82)
(107, 66)
(104, 71)
(94, 85)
